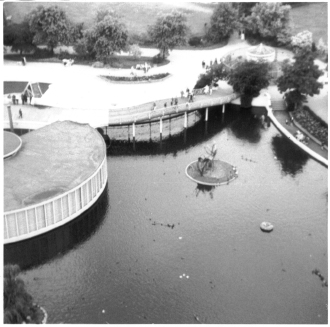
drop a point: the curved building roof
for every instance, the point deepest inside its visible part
(52, 160)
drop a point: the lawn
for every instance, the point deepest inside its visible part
(312, 17)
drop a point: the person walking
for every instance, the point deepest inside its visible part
(176, 101)
(20, 114)
(154, 106)
(182, 94)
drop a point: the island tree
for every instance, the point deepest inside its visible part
(223, 21)
(299, 78)
(169, 31)
(50, 26)
(248, 78)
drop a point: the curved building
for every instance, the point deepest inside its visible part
(58, 173)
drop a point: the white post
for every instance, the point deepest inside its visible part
(223, 108)
(62, 209)
(45, 215)
(6, 226)
(133, 131)
(16, 224)
(35, 211)
(206, 114)
(185, 123)
(161, 126)
(27, 222)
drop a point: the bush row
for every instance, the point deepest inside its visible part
(136, 78)
(313, 124)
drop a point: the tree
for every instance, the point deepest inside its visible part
(50, 26)
(108, 35)
(248, 78)
(223, 21)
(300, 78)
(135, 51)
(270, 21)
(170, 30)
(302, 40)
(18, 303)
(19, 37)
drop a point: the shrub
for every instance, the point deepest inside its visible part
(195, 41)
(136, 78)
(157, 59)
(42, 53)
(135, 51)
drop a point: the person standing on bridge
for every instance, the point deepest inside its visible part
(154, 107)
(20, 114)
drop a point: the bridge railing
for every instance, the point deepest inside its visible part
(171, 110)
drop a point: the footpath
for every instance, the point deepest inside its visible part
(78, 93)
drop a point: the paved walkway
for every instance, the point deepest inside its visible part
(78, 92)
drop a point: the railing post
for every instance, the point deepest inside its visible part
(161, 128)
(185, 123)
(10, 119)
(134, 136)
(223, 108)
(207, 114)
(27, 222)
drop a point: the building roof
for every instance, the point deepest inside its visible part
(52, 160)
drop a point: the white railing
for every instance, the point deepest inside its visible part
(180, 108)
(37, 219)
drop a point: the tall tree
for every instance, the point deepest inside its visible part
(299, 79)
(50, 26)
(271, 21)
(302, 40)
(108, 35)
(170, 30)
(248, 78)
(223, 21)
(19, 37)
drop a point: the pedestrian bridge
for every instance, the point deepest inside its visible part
(139, 117)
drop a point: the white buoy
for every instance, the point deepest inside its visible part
(103, 311)
(180, 238)
(187, 276)
(266, 227)
(184, 275)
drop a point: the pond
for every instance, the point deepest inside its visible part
(159, 249)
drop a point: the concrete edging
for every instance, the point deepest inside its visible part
(291, 137)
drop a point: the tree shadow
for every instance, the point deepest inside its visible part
(247, 126)
(291, 157)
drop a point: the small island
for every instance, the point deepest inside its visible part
(208, 171)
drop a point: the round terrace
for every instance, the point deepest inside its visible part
(11, 144)
(59, 173)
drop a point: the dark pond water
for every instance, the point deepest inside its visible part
(125, 262)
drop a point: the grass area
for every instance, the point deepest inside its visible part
(136, 15)
(312, 17)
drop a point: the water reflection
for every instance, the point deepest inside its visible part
(205, 189)
(247, 126)
(291, 157)
(192, 136)
(38, 250)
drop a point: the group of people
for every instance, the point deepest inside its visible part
(68, 62)
(145, 67)
(174, 102)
